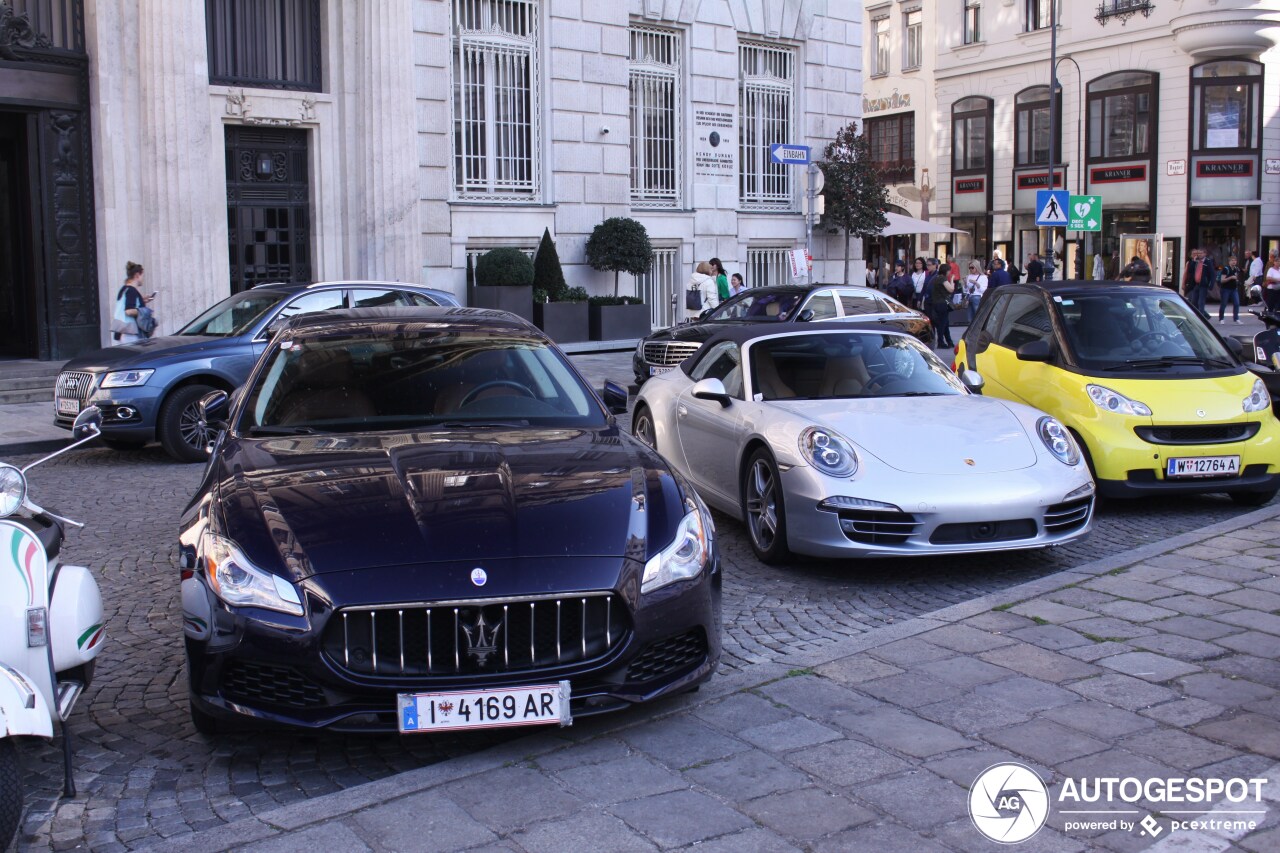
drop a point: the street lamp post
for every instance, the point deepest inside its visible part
(1053, 122)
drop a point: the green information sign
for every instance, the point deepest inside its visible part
(1084, 213)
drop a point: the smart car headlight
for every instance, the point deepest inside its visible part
(126, 378)
(1258, 400)
(240, 583)
(1111, 401)
(684, 558)
(828, 451)
(1059, 441)
(13, 489)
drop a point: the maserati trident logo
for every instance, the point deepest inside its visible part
(479, 577)
(482, 639)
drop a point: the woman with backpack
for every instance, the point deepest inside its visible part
(132, 320)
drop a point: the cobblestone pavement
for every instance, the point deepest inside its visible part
(144, 774)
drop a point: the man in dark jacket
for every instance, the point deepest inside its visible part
(1198, 278)
(900, 287)
(999, 276)
(940, 302)
(1035, 269)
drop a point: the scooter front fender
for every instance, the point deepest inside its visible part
(23, 710)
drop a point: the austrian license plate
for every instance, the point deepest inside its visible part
(456, 710)
(68, 406)
(654, 371)
(1203, 466)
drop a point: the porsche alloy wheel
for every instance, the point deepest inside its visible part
(762, 505)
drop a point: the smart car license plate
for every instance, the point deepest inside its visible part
(1203, 466)
(457, 710)
(654, 371)
(68, 406)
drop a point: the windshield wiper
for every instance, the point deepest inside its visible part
(282, 430)
(1168, 361)
(479, 424)
(919, 394)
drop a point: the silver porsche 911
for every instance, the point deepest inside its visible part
(843, 442)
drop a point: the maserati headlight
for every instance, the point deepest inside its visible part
(240, 583)
(684, 558)
(1059, 441)
(1110, 401)
(640, 349)
(828, 451)
(126, 378)
(1258, 400)
(13, 490)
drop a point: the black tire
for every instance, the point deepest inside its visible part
(205, 724)
(1252, 498)
(125, 443)
(642, 427)
(179, 427)
(763, 510)
(10, 793)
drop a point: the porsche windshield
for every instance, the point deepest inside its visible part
(831, 365)
(233, 315)
(1140, 332)
(413, 379)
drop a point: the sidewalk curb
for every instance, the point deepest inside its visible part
(44, 445)
(342, 803)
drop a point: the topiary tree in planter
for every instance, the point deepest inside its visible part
(621, 245)
(504, 280)
(548, 276)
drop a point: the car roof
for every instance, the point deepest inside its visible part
(743, 334)
(405, 318)
(805, 288)
(296, 286)
(1076, 287)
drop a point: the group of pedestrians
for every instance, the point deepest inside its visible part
(1235, 282)
(709, 286)
(937, 287)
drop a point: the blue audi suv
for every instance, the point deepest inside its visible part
(150, 391)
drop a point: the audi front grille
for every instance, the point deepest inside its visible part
(472, 637)
(75, 385)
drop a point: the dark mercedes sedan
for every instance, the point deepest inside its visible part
(423, 520)
(789, 303)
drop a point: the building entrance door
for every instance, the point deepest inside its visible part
(18, 290)
(268, 206)
(1220, 233)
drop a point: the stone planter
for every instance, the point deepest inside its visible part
(518, 300)
(563, 322)
(619, 322)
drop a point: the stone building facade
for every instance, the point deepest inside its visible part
(1167, 111)
(223, 143)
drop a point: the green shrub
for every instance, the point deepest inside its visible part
(547, 273)
(540, 295)
(575, 294)
(621, 245)
(505, 267)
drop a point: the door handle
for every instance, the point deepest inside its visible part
(681, 410)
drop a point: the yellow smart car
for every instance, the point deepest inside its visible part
(1159, 401)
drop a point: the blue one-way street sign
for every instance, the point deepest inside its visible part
(789, 155)
(1051, 207)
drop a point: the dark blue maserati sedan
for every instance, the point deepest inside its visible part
(423, 520)
(150, 390)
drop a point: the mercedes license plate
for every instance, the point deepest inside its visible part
(1203, 466)
(654, 371)
(68, 406)
(456, 710)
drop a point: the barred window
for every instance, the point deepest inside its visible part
(766, 94)
(662, 289)
(495, 106)
(768, 265)
(655, 117)
(270, 44)
(893, 146)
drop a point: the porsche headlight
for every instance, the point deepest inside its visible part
(1111, 401)
(240, 583)
(828, 451)
(1258, 400)
(1059, 441)
(13, 490)
(126, 378)
(684, 558)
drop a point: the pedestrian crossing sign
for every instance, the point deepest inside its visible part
(1051, 207)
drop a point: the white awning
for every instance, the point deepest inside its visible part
(899, 224)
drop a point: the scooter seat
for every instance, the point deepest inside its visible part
(49, 532)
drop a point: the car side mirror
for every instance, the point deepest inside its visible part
(805, 316)
(615, 398)
(1237, 348)
(1035, 351)
(973, 380)
(87, 424)
(712, 389)
(705, 312)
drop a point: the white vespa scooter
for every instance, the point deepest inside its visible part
(51, 627)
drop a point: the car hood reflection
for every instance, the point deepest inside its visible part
(341, 502)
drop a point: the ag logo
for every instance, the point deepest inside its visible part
(1008, 803)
